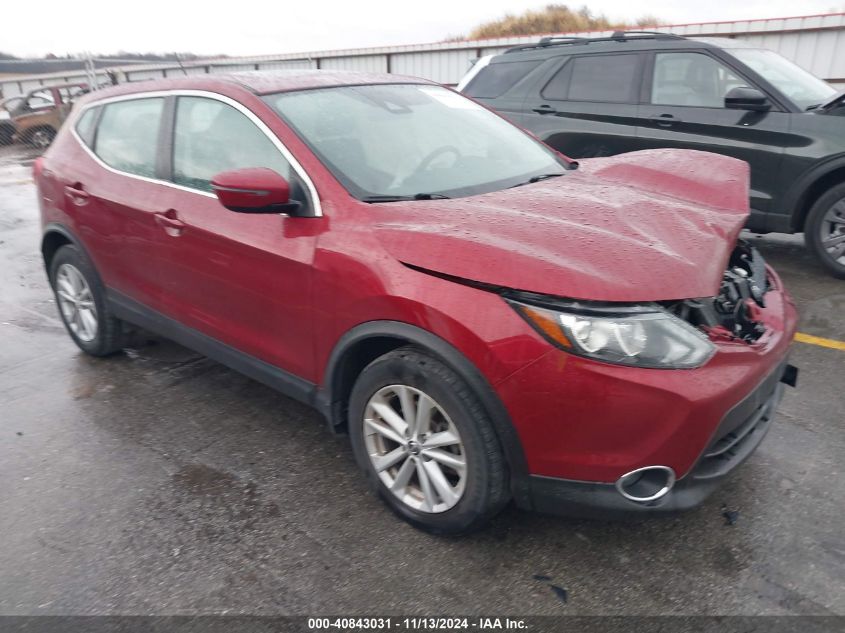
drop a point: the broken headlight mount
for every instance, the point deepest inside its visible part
(656, 335)
(734, 312)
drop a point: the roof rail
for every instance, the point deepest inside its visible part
(618, 36)
(551, 39)
(658, 35)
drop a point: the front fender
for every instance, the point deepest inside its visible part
(794, 201)
(329, 399)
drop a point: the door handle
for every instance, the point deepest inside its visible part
(544, 109)
(665, 120)
(77, 194)
(170, 222)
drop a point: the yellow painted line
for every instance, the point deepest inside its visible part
(821, 342)
(16, 182)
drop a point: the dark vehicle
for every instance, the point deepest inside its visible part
(633, 91)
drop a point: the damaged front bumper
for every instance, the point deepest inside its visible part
(587, 425)
(737, 436)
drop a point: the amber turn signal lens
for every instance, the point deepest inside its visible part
(546, 322)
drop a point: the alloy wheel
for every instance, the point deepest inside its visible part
(415, 448)
(76, 302)
(832, 232)
(41, 139)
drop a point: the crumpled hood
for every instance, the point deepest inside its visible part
(644, 226)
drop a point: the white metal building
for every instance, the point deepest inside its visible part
(816, 42)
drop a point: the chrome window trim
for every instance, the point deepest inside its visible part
(285, 152)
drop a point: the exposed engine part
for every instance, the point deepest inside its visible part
(734, 312)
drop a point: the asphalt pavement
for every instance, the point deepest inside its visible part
(159, 482)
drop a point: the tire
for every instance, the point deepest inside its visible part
(477, 491)
(826, 221)
(106, 337)
(41, 137)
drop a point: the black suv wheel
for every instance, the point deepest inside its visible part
(824, 232)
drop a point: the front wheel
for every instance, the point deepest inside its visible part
(824, 232)
(426, 444)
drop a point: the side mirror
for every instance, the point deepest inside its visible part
(745, 98)
(254, 190)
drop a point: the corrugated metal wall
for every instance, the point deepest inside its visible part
(822, 53)
(442, 66)
(361, 63)
(293, 64)
(815, 42)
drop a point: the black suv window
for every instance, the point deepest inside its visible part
(127, 135)
(691, 79)
(494, 80)
(602, 78)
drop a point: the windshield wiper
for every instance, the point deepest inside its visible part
(813, 107)
(416, 196)
(534, 179)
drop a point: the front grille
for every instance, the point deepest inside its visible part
(741, 430)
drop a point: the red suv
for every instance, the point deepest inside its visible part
(487, 319)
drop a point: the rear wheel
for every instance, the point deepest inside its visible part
(426, 444)
(82, 303)
(824, 232)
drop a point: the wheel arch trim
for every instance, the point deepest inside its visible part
(796, 198)
(332, 396)
(55, 228)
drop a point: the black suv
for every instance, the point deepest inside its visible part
(635, 90)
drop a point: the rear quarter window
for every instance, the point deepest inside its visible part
(496, 79)
(86, 124)
(127, 135)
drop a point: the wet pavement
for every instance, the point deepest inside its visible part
(159, 482)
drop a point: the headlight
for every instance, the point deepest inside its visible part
(640, 336)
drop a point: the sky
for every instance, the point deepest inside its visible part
(263, 27)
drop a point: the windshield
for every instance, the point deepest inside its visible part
(802, 87)
(406, 140)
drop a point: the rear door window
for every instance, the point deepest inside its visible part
(597, 78)
(496, 79)
(127, 136)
